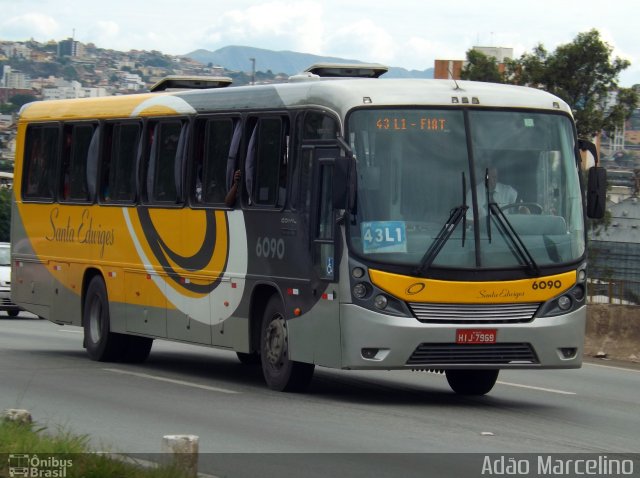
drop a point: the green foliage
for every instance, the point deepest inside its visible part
(5, 215)
(582, 73)
(20, 100)
(31, 439)
(70, 73)
(481, 67)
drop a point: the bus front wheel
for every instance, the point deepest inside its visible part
(280, 373)
(472, 382)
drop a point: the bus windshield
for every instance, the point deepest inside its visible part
(508, 177)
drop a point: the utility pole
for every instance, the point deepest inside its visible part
(253, 71)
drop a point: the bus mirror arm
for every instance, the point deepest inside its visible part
(345, 147)
(585, 145)
(344, 180)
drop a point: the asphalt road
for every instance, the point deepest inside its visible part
(361, 422)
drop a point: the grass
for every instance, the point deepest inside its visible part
(33, 439)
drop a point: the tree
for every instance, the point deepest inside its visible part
(584, 75)
(481, 67)
(20, 100)
(5, 214)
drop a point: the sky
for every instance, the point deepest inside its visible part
(401, 33)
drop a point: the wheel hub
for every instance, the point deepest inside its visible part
(276, 341)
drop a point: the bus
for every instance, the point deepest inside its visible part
(363, 236)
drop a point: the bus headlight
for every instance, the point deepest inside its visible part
(380, 302)
(564, 302)
(360, 290)
(578, 292)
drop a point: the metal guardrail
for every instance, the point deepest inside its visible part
(613, 291)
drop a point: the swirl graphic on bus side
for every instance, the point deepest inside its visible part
(211, 256)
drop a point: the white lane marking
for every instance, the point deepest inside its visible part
(611, 366)
(70, 331)
(170, 380)
(551, 390)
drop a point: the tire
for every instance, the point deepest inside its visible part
(248, 359)
(13, 313)
(102, 345)
(472, 382)
(280, 373)
(136, 349)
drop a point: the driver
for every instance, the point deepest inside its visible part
(500, 193)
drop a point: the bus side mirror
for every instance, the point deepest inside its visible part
(596, 192)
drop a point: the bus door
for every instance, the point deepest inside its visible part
(325, 249)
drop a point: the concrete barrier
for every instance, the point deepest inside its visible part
(183, 450)
(17, 415)
(613, 331)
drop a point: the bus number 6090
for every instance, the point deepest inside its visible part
(546, 284)
(270, 247)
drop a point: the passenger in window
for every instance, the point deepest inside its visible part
(36, 167)
(230, 198)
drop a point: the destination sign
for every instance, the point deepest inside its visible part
(413, 124)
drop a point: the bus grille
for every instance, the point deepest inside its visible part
(481, 354)
(474, 313)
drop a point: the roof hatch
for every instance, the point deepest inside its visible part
(347, 70)
(177, 82)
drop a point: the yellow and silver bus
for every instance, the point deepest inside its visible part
(367, 231)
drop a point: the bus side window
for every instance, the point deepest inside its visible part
(164, 158)
(311, 127)
(319, 126)
(118, 169)
(267, 162)
(213, 151)
(75, 154)
(41, 157)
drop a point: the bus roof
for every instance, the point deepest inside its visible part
(339, 95)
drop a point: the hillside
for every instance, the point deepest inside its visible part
(237, 58)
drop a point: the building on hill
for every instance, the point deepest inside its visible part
(70, 47)
(452, 69)
(14, 79)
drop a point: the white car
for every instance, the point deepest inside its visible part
(5, 281)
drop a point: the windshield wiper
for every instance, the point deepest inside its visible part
(515, 243)
(456, 215)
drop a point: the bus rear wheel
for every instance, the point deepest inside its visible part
(280, 373)
(472, 382)
(102, 345)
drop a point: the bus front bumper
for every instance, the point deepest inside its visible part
(371, 340)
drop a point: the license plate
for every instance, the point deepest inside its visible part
(476, 336)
